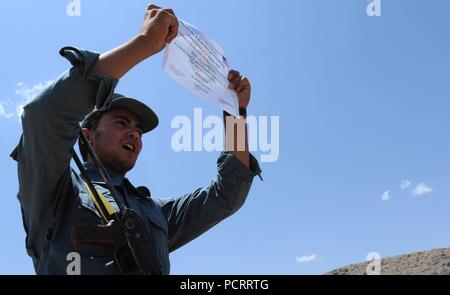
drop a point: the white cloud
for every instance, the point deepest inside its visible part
(405, 184)
(23, 95)
(28, 93)
(422, 189)
(386, 196)
(305, 259)
(3, 112)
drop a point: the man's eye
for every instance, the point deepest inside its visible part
(121, 123)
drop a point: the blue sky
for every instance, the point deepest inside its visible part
(363, 104)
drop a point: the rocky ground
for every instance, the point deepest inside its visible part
(433, 262)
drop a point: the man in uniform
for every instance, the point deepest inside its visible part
(54, 198)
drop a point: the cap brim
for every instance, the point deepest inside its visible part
(148, 119)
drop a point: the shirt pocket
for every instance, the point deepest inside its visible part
(159, 234)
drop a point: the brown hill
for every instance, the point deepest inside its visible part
(432, 262)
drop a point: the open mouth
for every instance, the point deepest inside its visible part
(129, 147)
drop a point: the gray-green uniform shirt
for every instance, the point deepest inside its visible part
(53, 197)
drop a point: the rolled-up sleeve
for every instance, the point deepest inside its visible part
(50, 124)
(193, 214)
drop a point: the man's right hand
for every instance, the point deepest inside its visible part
(160, 27)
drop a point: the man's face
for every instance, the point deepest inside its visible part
(117, 139)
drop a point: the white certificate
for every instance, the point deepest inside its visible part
(198, 63)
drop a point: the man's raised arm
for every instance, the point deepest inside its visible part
(236, 138)
(50, 122)
(160, 27)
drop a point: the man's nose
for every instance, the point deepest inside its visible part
(134, 133)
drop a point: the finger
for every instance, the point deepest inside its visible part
(169, 11)
(173, 28)
(244, 83)
(235, 81)
(232, 74)
(233, 77)
(152, 9)
(173, 31)
(152, 6)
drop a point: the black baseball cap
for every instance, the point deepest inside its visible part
(147, 118)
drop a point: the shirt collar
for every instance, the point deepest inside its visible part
(94, 175)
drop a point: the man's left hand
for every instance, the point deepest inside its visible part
(241, 85)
